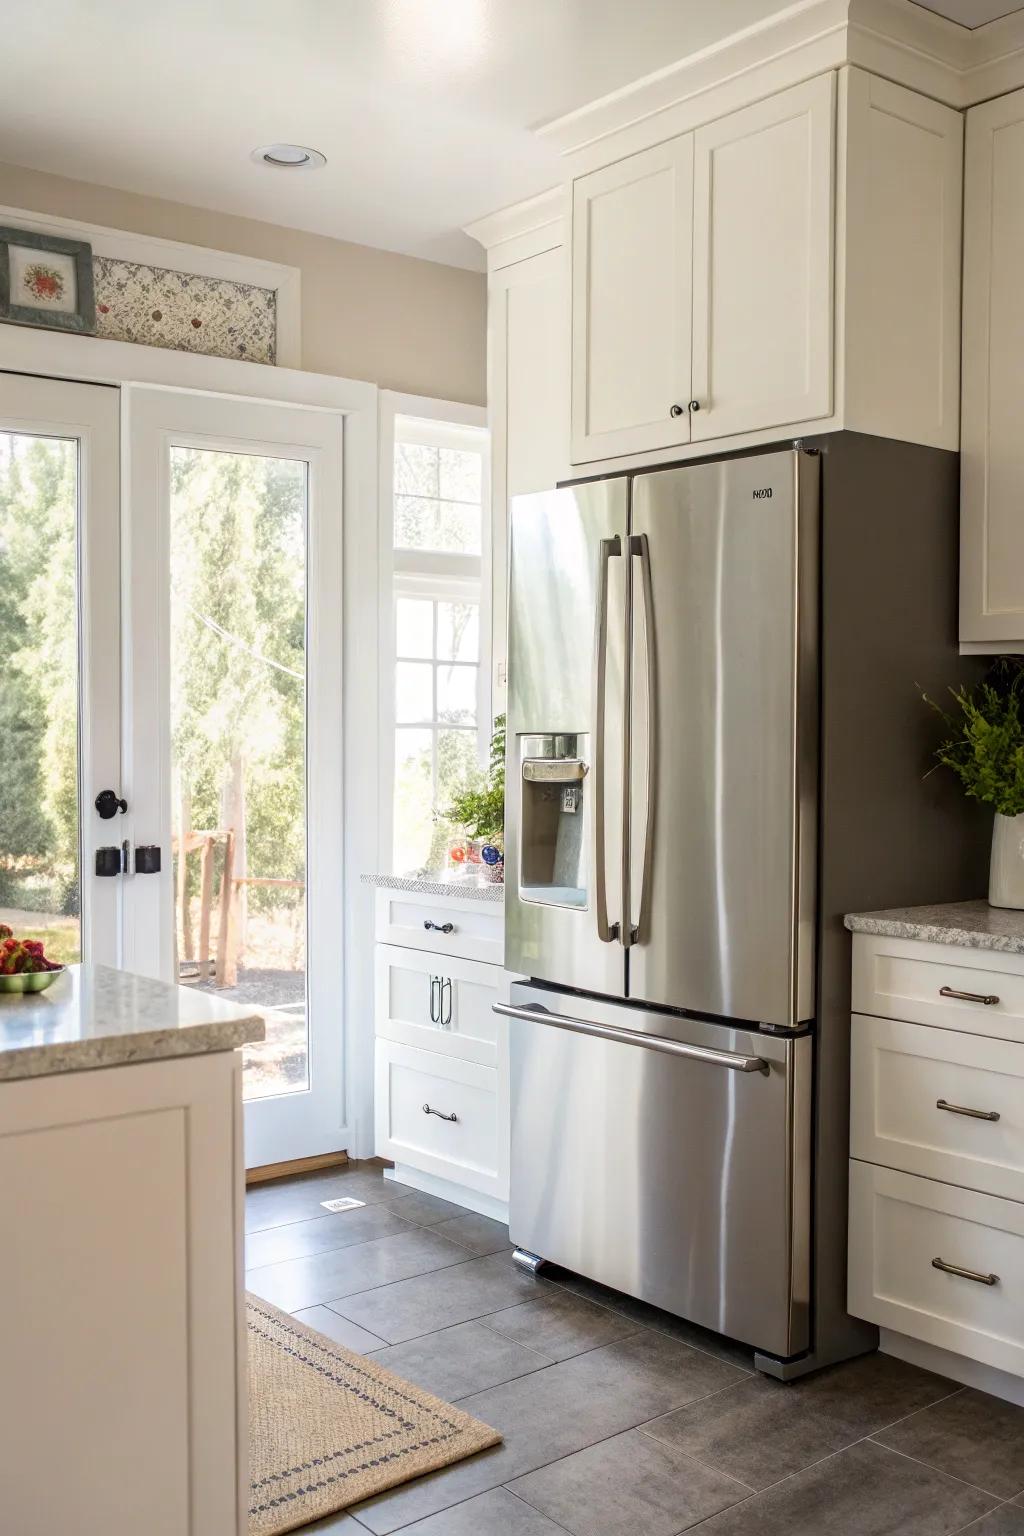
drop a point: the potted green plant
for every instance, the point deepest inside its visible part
(479, 807)
(985, 749)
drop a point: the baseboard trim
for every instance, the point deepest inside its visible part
(445, 1189)
(298, 1165)
(930, 1357)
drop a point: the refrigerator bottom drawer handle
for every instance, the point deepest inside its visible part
(732, 1060)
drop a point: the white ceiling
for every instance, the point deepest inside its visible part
(422, 107)
(971, 13)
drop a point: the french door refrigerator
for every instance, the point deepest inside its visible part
(662, 862)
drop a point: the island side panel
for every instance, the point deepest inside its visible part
(119, 1299)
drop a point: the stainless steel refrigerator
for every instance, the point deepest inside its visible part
(672, 877)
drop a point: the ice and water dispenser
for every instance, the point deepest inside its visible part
(553, 816)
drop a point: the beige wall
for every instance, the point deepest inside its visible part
(404, 324)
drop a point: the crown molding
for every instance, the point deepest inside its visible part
(896, 39)
(522, 230)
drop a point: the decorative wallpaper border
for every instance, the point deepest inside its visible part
(184, 311)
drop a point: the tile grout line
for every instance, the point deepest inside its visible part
(962, 1480)
(651, 1327)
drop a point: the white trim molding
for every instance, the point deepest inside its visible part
(153, 251)
(896, 39)
(523, 230)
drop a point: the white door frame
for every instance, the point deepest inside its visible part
(88, 413)
(91, 359)
(309, 1122)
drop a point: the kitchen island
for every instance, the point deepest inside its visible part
(122, 1406)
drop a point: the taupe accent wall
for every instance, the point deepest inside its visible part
(405, 324)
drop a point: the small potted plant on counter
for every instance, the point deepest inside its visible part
(479, 808)
(985, 749)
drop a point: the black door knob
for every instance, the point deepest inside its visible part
(676, 410)
(108, 803)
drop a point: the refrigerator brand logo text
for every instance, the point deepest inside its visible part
(763, 493)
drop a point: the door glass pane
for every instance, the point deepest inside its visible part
(414, 692)
(39, 674)
(238, 722)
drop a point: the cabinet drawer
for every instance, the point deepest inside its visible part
(910, 979)
(439, 1004)
(898, 1225)
(472, 1148)
(415, 921)
(901, 1077)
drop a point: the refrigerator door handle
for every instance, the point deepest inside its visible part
(639, 547)
(732, 1060)
(607, 931)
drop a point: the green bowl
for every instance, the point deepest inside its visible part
(30, 981)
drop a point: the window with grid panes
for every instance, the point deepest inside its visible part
(441, 633)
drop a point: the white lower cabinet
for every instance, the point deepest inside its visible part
(443, 1116)
(936, 1250)
(441, 1052)
(938, 1263)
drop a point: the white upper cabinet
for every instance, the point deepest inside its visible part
(762, 264)
(791, 266)
(898, 236)
(632, 226)
(992, 464)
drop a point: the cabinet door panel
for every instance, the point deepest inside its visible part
(631, 303)
(992, 463)
(762, 263)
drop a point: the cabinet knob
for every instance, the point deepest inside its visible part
(676, 410)
(694, 405)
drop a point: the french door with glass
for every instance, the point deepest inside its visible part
(60, 740)
(179, 647)
(233, 767)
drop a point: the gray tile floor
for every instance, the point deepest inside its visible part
(619, 1420)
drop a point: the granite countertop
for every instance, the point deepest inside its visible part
(93, 1016)
(971, 924)
(436, 885)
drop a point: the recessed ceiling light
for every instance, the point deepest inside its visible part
(288, 157)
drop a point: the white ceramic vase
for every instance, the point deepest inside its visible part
(1006, 872)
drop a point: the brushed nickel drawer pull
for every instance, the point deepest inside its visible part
(987, 999)
(433, 927)
(973, 1114)
(440, 1115)
(965, 1274)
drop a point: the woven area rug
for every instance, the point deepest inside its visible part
(328, 1427)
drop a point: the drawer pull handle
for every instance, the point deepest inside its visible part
(428, 1111)
(961, 1109)
(433, 927)
(987, 999)
(965, 1274)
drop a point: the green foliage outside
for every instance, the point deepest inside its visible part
(985, 747)
(238, 665)
(238, 641)
(480, 806)
(38, 675)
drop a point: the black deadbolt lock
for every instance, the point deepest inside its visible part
(108, 803)
(108, 861)
(147, 860)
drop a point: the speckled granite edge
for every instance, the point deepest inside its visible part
(968, 924)
(495, 892)
(50, 1058)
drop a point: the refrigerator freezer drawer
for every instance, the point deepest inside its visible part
(673, 1165)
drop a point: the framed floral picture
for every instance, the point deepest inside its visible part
(46, 281)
